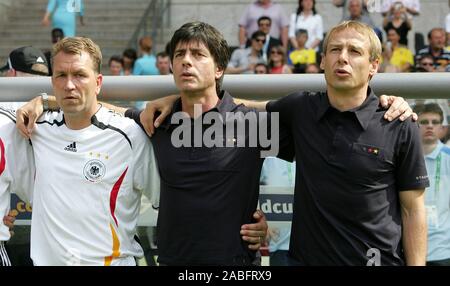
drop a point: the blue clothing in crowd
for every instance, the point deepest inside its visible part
(64, 14)
(146, 65)
(437, 202)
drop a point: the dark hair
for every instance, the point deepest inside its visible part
(130, 53)
(257, 34)
(301, 31)
(263, 65)
(209, 36)
(115, 58)
(429, 108)
(300, 8)
(57, 34)
(262, 18)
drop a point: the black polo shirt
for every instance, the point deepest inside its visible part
(207, 193)
(351, 167)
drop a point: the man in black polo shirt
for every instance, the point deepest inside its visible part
(360, 178)
(207, 193)
(359, 196)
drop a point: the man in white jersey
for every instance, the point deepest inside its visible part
(22, 62)
(14, 177)
(92, 165)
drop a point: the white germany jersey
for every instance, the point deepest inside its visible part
(16, 166)
(88, 189)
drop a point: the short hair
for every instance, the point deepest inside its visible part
(262, 18)
(57, 33)
(162, 55)
(76, 45)
(257, 34)
(429, 108)
(115, 58)
(146, 43)
(363, 29)
(209, 36)
(300, 32)
(130, 53)
(435, 29)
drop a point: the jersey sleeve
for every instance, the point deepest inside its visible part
(21, 163)
(146, 176)
(411, 171)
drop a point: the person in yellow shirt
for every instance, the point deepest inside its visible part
(301, 57)
(397, 55)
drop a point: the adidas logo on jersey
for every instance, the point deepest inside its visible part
(71, 147)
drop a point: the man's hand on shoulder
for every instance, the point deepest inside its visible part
(163, 106)
(398, 107)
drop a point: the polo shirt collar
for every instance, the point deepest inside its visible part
(226, 104)
(433, 155)
(364, 112)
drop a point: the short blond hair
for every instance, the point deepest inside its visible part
(363, 29)
(76, 45)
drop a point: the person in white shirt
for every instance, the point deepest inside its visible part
(307, 18)
(92, 165)
(14, 177)
(412, 6)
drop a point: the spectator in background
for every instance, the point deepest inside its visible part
(312, 68)
(278, 173)
(115, 65)
(397, 19)
(412, 6)
(345, 7)
(436, 48)
(355, 9)
(57, 35)
(261, 68)
(307, 18)
(163, 63)
(397, 55)
(278, 62)
(248, 22)
(437, 195)
(63, 14)
(146, 64)
(264, 25)
(244, 60)
(302, 56)
(425, 64)
(129, 57)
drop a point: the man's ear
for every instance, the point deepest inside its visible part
(374, 65)
(99, 81)
(219, 72)
(322, 62)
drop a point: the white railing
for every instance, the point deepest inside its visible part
(408, 85)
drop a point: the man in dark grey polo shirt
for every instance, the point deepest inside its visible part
(360, 178)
